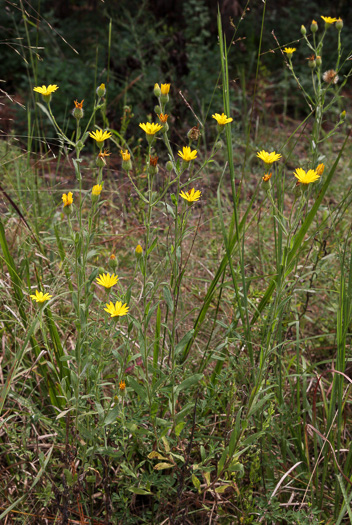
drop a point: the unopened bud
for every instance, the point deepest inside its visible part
(113, 262)
(303, 30)
(101, 90)
(219, 145)
(342, 116)
(169, 166)
(138, 251)
(314, 26)
(157, 110)
(339, 24)
(157, 90)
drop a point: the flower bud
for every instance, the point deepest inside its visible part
(314, 26)
(318, 60)
(169, 166)
(101, 90)
(126, 160)
(303, 30)
(165, 88)
(219, 145)
(112, 262)
(96, 191)
(138, 251)
(157, 90)
(342, 116)
(339, 24)
(157, 110)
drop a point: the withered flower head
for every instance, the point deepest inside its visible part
(79, 105)
(163, 117)
(153, 160)
(331, 77)
(194, 133)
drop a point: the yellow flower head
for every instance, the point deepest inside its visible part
(268, 158)
(191, 195)
(107, 280)
(163, 117)
(46, 90)
(320, 169)
(116, 309)
(150, 128)
(187, 155)
(289, 50)
(122, 385)
(306, 178)
(67, 199)
(139, 249)
(222, 119)
(100, 135)
(165, 88)
(39, 297)
(267, 177)
(96, 190)
(328, 20)
(78, 105)
(125, 155)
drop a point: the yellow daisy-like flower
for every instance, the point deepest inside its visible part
(96, 190)
(67, 199)
(329, 20)
(165, 88)
(187, 155)
(306, 177)
(150, 128)
(222, 119)
(139, 249)
(289, 50)
(191, 195)
(41, 297)
(268, 158)
(100, 135)
(116, 309)
(125, 155)
(107, 280)
(43, 90)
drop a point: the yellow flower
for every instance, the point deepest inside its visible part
(150, 128)
(96, 190)
(46, 90)
(329, 20)
(306, 178)
(191, 195)
(222, 119)
(67, 199)
(122, 385)
(125, 155)
(165, 88)
(268, 158)
(39, 297)
(187, 155)
(289, 51)
(320, 169)
(100, 135)
(107, 280)
(117, 309)
(139, 249)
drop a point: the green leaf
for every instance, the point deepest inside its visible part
(140, 491)
(185, 339)
(196, 483)
(187, 383)
(168, 298)
(112, 415)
